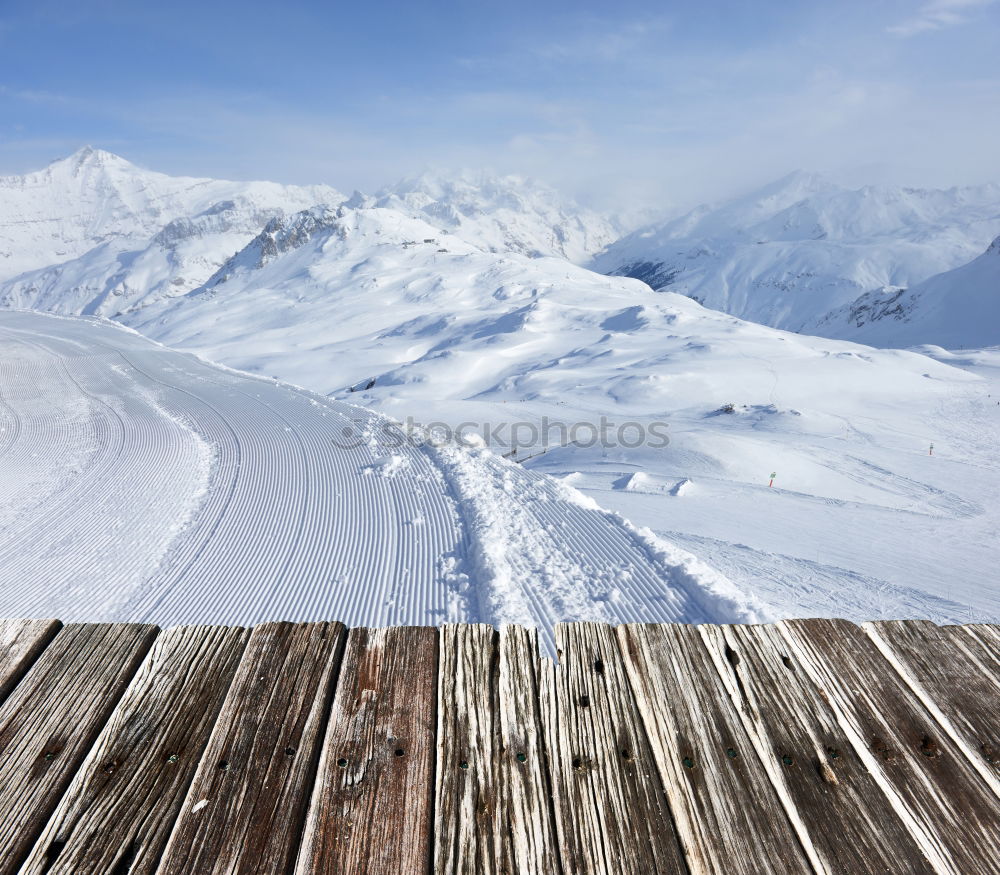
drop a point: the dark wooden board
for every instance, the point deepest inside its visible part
(611, 812)
(119, 809)
(21, 641)
(949, 808)
(468, 747)
(246, 807)
(528, 841)
(371, 808)
(955, 681)
(837, 805)
(50, 721)
(725, 808)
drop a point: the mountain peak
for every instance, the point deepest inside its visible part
(89, 158)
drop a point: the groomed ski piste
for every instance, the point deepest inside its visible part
(144, 484)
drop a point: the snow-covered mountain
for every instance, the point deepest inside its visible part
(96, 202)
(377, 301)
(94, 234)
(503, 214)
(795, 250)
(959, 308)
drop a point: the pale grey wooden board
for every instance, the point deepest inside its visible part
(466, 805)
(527, 826)
(726, 810)
(838, 806)
(246, 806)
(21, 642)
(117, 813)
(947, 805)
(371, 809)
(611, 812)
(49, 723)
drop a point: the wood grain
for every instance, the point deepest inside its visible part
(838, 807)
(986, 638)
(51, 719)
(954, 680)
(611, 810)
(528, 841)
(468, 747)
(371, 808)
(246, 806)
(948, 808)
(725, 808)
(21, 641)
(118, 811)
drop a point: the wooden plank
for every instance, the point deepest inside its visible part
(528, 841)
(21, 641)
(955, 680)
(371, 807)
(837, 805)
(986, 637)
(246, 806)
(726, 811)
(927, 779)
(51, 719)
(610, 809)
(467, 791)
(119, 809)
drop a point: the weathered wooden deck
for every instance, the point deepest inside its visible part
(807, 746)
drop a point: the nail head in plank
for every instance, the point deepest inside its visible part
(946, 804)
(120, 807)
(371, 807)
(21, 641)
(726, 811)
(465, 807)
(527, 826)
(246, 806)
(611, 811)
(828, 791)
(50, 721)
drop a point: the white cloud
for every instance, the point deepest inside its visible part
(937, 14)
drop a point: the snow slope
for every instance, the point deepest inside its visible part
(145, 484)
(861, 522)
(956, 309)
(795, 250)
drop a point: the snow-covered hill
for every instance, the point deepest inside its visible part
(958, 309)
(143, 484)
(94, 201)
(788, 254)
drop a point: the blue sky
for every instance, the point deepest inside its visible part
(628, 103)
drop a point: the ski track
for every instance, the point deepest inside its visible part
(144, 484)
